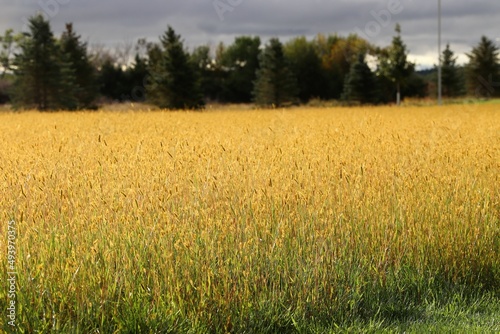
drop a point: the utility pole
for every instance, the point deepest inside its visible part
(440, 66)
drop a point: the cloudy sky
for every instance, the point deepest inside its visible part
(112, 22)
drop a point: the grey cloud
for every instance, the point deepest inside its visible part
(199, 23)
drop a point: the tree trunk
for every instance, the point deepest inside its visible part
(398, 95)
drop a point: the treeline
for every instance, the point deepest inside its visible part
(43, 72)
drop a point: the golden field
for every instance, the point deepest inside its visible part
(248, 221)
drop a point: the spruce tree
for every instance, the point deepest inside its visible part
(275, 84)
(49, 73)
(394, 64)
(38, 68)
(174, 83)
(450, 79)
(483, 71)
(67, 89)
(79, 69)
(360, 84)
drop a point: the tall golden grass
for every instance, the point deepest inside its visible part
(265, 220)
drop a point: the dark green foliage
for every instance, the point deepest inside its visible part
(209, 72)
(275, 85)
(111, 81)
(483, 71)
(174, 83)
(136, 78)
(305, 63)
(121, 85)
(394, 64)
(452, 82)
(38, 72)
(415, 86)
(68, 90)
(78, 69)
(240, 61)
(50, 74)
(360, 84)
(5, 85)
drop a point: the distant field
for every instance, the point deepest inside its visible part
(256, 221)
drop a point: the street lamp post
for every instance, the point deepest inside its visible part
(440, 72)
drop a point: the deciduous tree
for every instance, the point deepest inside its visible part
(305, 63)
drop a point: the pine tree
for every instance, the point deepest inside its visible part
(275, 85)
(450, 78)
(394, 64)
(360, 84)
(174, 83)
(483, 71)
(79, 69)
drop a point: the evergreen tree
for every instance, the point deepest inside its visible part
(394, 64)
(68, 90)
(49, 74)
(174, 83)
(483, 71)
(79, 69)
(360, 84)
(38, 68)
(275, 85)
(450, 78)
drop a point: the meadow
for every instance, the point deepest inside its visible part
(309, 220)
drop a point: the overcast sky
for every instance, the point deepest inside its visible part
(211, 21)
